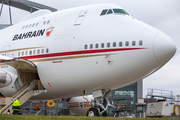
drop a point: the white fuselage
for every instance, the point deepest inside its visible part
(66, 67)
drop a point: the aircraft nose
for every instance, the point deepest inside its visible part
(164, 48)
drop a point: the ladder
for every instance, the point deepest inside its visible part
(23, 94)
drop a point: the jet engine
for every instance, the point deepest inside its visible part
(7, 83)
(79, 105)
(5, 79)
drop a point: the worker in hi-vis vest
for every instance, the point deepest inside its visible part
(16, 106)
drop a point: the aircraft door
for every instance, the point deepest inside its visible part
(80, 17)
(5, 50)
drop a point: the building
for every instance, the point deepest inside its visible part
(127, 96)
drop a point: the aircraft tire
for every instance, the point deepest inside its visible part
(93, 112)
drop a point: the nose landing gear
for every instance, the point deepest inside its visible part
(100, 104)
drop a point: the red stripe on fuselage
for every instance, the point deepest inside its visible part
(78, 53)
(74, 103)
(73, 106)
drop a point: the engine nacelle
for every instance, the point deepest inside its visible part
(79, 105)
(7, 86)
(5, 79)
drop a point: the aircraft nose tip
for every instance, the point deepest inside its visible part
(164, 48)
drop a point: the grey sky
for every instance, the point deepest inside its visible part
(162, 14)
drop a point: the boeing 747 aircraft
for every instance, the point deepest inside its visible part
(88, 50)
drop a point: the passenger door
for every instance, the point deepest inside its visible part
(80, 17)
(5, 50)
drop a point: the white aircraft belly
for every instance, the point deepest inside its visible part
(93, 73)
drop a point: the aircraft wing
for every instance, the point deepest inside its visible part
(18, 63)
(5, 58)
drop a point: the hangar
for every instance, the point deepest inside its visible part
(25, 5)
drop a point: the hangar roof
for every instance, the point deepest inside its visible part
(26, 5)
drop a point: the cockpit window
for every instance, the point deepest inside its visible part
(104, 12)
(109, 11)
(120, 11)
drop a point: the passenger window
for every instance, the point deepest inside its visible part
(33, 24)
(108, 44)
(34, 52)
(26, 26)
(133, 43)
(127, 43)
(38, 51)
(48, 21)
(85, 46)
(114, 44)
(30, 52)
(37, 24)
(23, 53)
(23, 27)
(29, 25)
(102, 45)
(18, 53)
(141, 42)
(47, 50)
(26, 52)
(109, 11)
(91, 46)
(103, 12)
(120, 44)
(96, 46)
(42, 51)
(44, 22)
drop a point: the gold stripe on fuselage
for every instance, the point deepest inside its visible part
(4, 51)
(70, 57)
(63, 58)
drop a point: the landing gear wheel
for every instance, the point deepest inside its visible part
(93, 112)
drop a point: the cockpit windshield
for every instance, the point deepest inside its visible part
(115, 11)
(104, 12)
(120, 11)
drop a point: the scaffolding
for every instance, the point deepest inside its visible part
(166, 94)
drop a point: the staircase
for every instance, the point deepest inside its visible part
(23, 94)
